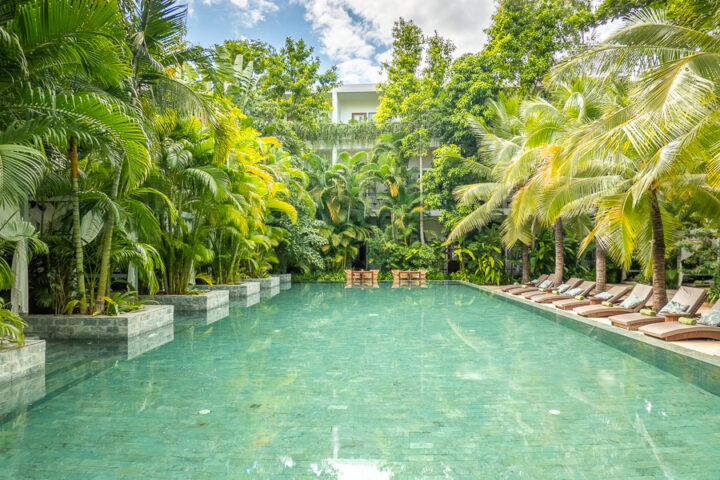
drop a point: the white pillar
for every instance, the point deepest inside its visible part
(335, 110)
(334, 155)
(19, 294)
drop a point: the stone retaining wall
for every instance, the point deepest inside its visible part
(193, 303)
(241, 290)
(125, 325)
(265, 283)
(285, 278)
(18, 362)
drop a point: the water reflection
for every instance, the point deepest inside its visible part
(269, 292)
(20, 392)
(69, 362)
(202, 318)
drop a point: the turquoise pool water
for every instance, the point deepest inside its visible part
(326, 382)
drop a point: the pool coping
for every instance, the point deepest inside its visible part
(708, 378)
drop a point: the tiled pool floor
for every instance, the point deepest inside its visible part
(327, 382)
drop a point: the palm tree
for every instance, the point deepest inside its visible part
(663, 143)
(404, 208)
(500, 143)
(60, 56)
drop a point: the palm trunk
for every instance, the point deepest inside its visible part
(600, 267)
(658, 254)
(525, 264)
(77, 236)
(106, 246)
(559, 250)
(422, 217)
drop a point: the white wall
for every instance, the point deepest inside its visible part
(360, 102)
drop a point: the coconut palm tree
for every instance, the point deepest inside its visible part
(500, 143)
(663, 143)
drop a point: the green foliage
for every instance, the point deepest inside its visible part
(387, 255)
(122, 302)
(11, 326)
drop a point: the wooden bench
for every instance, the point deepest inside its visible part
(361, 278)
(409, 277)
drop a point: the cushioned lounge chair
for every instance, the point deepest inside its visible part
(583, 288)
(673, 331)
(531, 283)
(572, 283)
(615, 294)
(548, 283)
(640, 292)
(691, 298)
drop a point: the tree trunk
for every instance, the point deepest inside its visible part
(525, 264)
(106, 246)
(559, 250)
(658, 255)
(77, 235)
(600, 267)
(422, 216)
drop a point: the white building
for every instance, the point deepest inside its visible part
(359, 102)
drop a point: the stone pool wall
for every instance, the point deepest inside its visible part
(125, 325)
(265, 283)
(193, 303)
(285, 278)
(17, 362)
(241, 290)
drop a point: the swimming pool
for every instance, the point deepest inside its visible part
(327, 382)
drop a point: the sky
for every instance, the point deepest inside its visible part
(355, 35)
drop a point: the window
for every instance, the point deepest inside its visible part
(359, 117)
(371, 115)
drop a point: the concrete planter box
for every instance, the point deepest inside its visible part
(265, 283)
(123, 326)
(19, 362)
(285, 278)
(203, 318)
(193, 303)
(240, 290)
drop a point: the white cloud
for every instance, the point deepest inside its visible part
(249, 12)
(357, 33)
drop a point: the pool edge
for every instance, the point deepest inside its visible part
(700, 369)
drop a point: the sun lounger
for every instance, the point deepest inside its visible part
(691, 298)
(580, 289)
(637, 299)
(673, 331)
(616, 293)
(572, 283)
(547, 283)
(531, 283)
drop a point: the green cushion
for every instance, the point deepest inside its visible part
(546, 284)
(562, 288)
(603, 296)
(575, 291)
(579, 297)
(607, 304)
(647, 311)
(631, 302)
(516, 283)
(710, 319)
(674, 307)
(687, 321)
